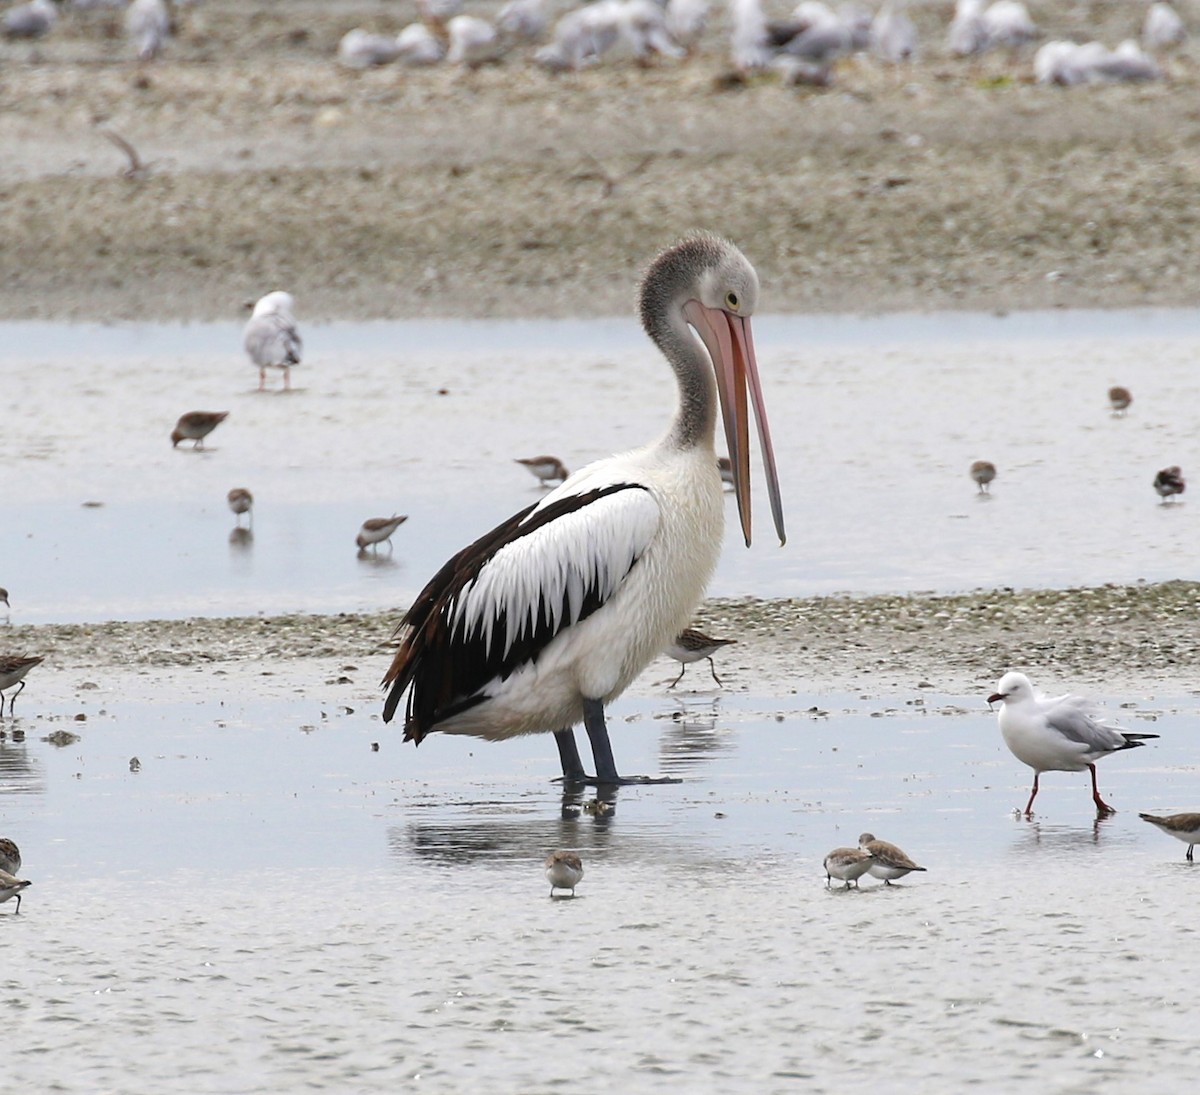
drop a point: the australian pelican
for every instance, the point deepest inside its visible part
(550, 616)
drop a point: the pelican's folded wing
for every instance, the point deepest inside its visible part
(498, 603)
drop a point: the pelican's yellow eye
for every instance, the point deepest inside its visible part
(731, 301)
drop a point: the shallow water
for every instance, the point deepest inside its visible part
(268, 904)
(876, 421)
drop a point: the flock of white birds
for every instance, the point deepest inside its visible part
(802, 47)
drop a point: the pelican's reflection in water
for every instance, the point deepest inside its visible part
(692, 738)
(509, 830)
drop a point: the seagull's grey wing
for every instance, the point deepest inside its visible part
(1072, 718)
(272, 340)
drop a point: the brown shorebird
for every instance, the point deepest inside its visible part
(983, 472)
(890, 862)
(726, 470)
(375, 530)
(848, 864)
(241, 501)
(11, 886)
(690, 646)
(10, 855)
(563, 871)
(196, 426)
(1169, 482)
(12, 671)
(1119, 399)
(545, 468)
(1185, 827)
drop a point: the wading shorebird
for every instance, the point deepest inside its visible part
(848, 864)
(241, 501)
(888, 861)
(545, 468)
(1057, 734)
(690, 646)
(1185, 827)
(982, 473)
(563, 871)
(10, 855)
(1119, 399)
(1169, 482)
(543, 621)
(271, 339)
(376, 530)
(195, 426)
(10, 887)
(12, 671)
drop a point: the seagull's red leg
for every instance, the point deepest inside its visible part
(1102, 807)
(1032, 796)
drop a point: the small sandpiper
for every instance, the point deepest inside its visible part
(12, 671)
(10, 887)
(195, 426)
(1185, 827)
(545, 468)
(690, 646)
(983, 472)
(726, 470)
(241, 501)
(376, 530)
(848, 864)
(10, 855)
(1119, 399)
(1169, 482)
(563, 871)
(890, 862)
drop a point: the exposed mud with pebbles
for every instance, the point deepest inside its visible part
(1111, 640)
(509, 192)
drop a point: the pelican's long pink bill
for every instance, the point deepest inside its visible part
(731, 347)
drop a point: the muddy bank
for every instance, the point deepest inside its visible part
(508, 192)
(1134, 640)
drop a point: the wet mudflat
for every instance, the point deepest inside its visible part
(267, 901)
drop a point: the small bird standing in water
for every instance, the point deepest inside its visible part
(1119, 399)
(196, 426)
(10, 887)
(1169, 482)
(12, 671)
(983, 472)
(690, 646)
(848, 864)
(889, 861)
(376, 530)
(545, 468)
(241, 501)
(564, 870)
(1185, 827)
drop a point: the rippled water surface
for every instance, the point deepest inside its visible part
(270, 905)
(876, 422)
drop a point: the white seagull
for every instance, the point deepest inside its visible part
(271, 338)
(543, 621)
(1057, 733)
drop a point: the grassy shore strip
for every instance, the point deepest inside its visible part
(1112, 637)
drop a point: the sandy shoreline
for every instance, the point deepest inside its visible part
(1112, 641)
(508, 192)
